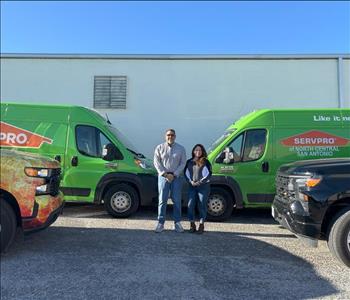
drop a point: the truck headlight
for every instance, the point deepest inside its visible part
(37, 172)
(312, 182)
(41, 189)
(306, 183)
(301, 185)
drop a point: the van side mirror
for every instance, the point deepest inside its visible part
(226, 156)
(220, 158)
(109, 152)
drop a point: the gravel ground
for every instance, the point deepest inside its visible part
(86, 254)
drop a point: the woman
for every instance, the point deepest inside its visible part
(197, 173)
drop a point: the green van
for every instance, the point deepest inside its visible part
(98, 163)
(246, 157)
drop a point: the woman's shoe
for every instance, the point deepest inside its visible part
(192, 227)
(200, 228)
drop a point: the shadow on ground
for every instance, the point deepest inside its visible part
(243, 216)
(90, 263)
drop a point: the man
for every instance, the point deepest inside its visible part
(169, 160)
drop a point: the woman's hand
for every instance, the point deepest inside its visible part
(195, 183)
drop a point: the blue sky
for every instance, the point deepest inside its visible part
(179, 27)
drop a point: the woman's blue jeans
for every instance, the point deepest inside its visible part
(168, 190)
(200, 193)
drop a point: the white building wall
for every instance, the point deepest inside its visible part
(197, 97)
(346, 82)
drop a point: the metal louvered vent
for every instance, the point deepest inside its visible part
(110, 92)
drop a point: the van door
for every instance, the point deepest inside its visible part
(85, 166)
(247, 158)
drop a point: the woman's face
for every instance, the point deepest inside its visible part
(197, 152)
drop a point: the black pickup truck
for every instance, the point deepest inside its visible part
(313, 201)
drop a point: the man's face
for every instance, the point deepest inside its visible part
(170, 137)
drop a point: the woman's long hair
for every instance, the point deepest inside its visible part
(201, 161)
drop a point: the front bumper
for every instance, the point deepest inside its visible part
(301, 226)
(48, 209)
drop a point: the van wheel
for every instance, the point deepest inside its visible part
(8, 225)
(220, 205)
(339, 238)
(121, 200)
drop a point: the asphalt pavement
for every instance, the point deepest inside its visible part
(86, 254)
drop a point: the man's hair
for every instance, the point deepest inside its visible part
(170, 129)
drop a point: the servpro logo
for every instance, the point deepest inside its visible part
(12, 136)
(315, 138)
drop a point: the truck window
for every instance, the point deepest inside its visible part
(91, 141)
(254, 145)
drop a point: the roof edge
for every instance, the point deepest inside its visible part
(172, 56)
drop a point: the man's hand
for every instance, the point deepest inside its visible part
(169, 177)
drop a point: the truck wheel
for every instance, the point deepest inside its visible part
(121, 200)
(220, 205)
(339, 237)
(8, 225)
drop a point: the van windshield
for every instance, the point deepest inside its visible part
(227, 133)
(125, 141)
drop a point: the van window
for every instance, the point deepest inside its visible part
(248, 146)
(226, 134)
(254, 145)
(236, 147)
(86, 140)
(91, 141)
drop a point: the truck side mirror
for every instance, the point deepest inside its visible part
(109, 152)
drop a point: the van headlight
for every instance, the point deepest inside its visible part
(142, 164)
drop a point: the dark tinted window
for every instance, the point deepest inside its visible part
(86, 140)
(91, 141)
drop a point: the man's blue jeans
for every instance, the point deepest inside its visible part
(168, 190)
(202, 192)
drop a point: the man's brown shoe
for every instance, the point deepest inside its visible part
(200, 228)
(192, 227)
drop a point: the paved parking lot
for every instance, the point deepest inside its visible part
(88, 255)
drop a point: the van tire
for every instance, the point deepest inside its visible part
(220, 204)
(8, 223)
(339, 237)
(121, 200)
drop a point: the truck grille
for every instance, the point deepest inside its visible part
(56, 172)
(54, 182)
(282, 191)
